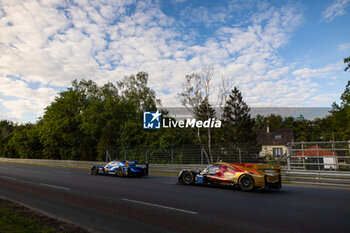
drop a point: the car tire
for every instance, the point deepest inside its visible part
(120, 172)
(94, 170)
(246, 183)
(188, 177)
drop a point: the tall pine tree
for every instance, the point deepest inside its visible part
(237, 124)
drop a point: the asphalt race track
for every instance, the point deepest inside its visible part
(159, 204)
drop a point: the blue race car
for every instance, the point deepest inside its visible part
(120, 168)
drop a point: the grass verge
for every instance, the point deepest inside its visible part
(164, 173)
(15, 218)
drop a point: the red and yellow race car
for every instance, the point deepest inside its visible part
(246, 176)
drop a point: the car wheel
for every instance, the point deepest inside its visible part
(120, 172)
(246, 183)
(94, 170)
(188, 178)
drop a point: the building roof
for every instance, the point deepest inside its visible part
(316, 151)
(275, 136)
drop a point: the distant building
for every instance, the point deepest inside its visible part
(315, 155)
(274, 141)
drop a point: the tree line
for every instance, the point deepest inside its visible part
(87, 118)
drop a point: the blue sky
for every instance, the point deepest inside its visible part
(279, 53)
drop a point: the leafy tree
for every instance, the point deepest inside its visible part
(7, 128)
(237, 124)
(273, 121)
(86, 119)
(191, 95)
(60, 133)
(205, 111)
(104, 117)
(288, 122)
(134, 88)
(132, 134)
(25, 142)
(341, 114)
(302, 129)
(195, 95)
(347, 60)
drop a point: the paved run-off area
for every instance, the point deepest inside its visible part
(159, 204)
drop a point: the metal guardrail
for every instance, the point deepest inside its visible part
(166, 169)
(49, 162)
(319, 178)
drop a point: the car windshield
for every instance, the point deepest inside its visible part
(112, 163)
(211, 169)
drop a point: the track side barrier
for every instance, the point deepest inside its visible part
(332, 178)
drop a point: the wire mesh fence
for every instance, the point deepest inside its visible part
(187, 154)
(332, 156)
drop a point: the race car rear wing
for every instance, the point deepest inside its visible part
(134, 162)
(275, 168)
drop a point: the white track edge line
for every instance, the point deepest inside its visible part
(160, 206)
(54, 186)
(8, 177)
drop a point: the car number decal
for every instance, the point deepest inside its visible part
(199, 179)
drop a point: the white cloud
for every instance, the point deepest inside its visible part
(19, 98)
(106, 40)
(344, 47)
(325, 98)
(320, 72)
(178, 1)
(337, 8)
